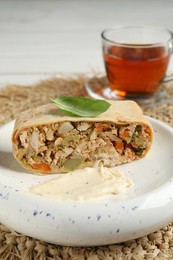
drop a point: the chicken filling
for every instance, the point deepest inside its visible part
(62, 147)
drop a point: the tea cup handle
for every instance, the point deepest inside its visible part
(167, 79)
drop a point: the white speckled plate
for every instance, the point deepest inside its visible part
(145, 207)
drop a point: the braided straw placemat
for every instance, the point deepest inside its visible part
(14, 246)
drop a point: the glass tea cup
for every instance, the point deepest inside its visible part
(136, 59)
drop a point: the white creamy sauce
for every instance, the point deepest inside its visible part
(84, 184)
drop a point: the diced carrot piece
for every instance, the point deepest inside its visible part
(147, 130)
(119, 146)
(43, 167)
(124, 134)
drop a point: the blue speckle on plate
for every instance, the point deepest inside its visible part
(35, 213)
(98, 217)
(71, 220)
(5, 196)
(135, 207)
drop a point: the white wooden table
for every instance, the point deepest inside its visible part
(39, 38)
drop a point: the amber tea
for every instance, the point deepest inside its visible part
(131, 69)
(136, 59)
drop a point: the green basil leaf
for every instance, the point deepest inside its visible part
(81, 106)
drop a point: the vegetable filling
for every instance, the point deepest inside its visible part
(65, 146)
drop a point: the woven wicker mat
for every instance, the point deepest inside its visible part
(158, 245)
